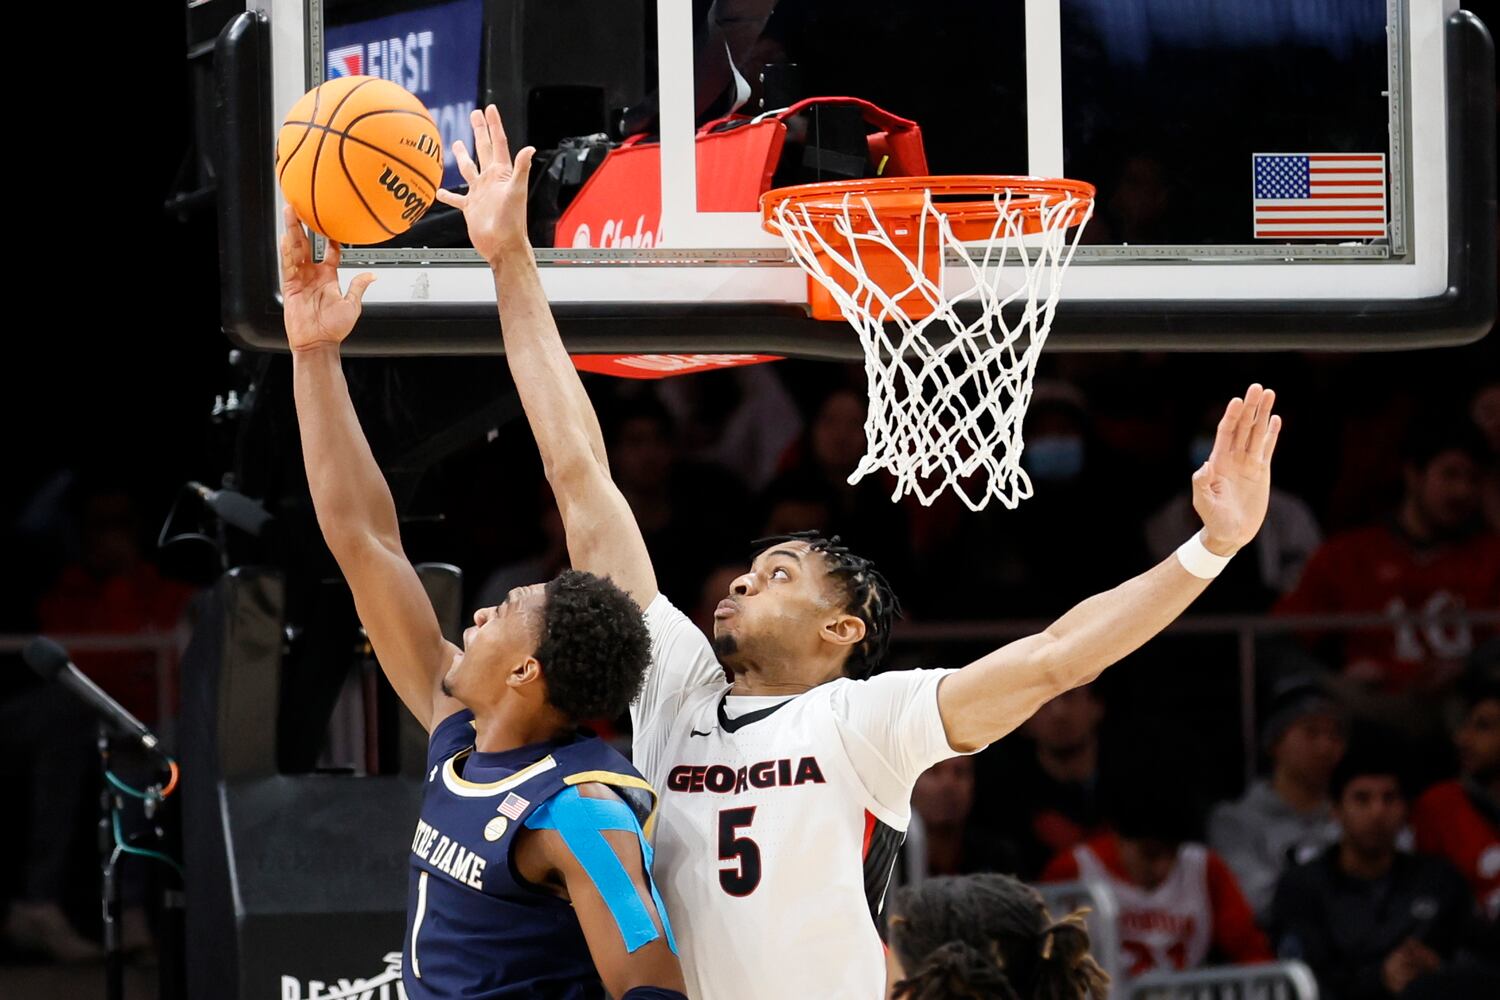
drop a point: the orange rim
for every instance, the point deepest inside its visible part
(968, 201)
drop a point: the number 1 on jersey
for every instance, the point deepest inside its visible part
(741, 880)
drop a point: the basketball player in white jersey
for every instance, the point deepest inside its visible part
(785, 769)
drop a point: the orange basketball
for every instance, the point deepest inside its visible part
(360, 159)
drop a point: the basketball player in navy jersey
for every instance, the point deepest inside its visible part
(787, 768)
(530, 867)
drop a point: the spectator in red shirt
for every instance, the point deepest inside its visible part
(1434, 556)
(1459, 820)
(113, 589)
(1179, 903)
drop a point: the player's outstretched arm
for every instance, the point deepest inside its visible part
(350, 496)
(601, 531)
(995, 694)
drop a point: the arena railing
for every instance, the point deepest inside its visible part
(1271, 981)
(1245, 630)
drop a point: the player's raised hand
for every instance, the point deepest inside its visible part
(495, 205)
(316, 312)
(1232, 489)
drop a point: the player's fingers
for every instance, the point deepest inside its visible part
(500, 145)
(334, 254)
(1247, 417)
(465, 164)
(294, 242)
(1224, 433)
(1262, 422)
(288, 254)
(523, 167)
(452, 200)
(1268, 447)
(356, 294)
(483, 151)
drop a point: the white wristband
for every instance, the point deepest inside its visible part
(1200, 562)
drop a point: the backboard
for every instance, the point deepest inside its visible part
(1270, 173)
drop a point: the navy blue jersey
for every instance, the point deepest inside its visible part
(474, 928)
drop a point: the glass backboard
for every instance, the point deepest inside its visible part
(1270, 173)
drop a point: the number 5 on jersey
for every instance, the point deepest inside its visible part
(742, 879)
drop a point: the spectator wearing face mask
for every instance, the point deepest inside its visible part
(1272, 563)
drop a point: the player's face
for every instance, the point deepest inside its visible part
(1311, 748)
(1479, 741)
(500, 639)
(776, 613)
(1372, 812)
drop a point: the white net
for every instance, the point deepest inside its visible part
(947, 393)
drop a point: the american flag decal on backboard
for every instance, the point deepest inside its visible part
(1319, 195)
(513, 806)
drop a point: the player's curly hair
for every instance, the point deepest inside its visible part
(866, 594)
(988, 937)
(594, 647)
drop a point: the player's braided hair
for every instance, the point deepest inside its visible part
(988, 937)
(867, 595)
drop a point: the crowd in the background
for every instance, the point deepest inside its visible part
(1369, 844)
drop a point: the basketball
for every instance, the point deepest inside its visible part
(360, 159)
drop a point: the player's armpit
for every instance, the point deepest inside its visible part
(593, 841)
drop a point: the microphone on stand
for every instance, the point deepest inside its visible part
(51, 662)
(235, 509)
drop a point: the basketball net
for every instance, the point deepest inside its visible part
(947, 391)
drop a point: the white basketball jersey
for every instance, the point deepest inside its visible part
(780, 817)
(1169, 927)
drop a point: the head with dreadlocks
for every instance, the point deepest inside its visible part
(986, 937)
(807, 611)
